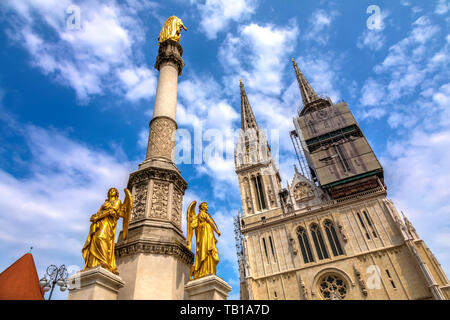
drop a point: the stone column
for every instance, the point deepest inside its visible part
(207, 288)
(153, 260)
(161, 142)
(94, 284)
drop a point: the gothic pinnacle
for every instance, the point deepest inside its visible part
(247, 117)
(308, 93)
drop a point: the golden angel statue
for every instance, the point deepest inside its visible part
(207, 256)
(99, 247)
(171, 30)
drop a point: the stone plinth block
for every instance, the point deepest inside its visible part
(207, 288)
(95, 284)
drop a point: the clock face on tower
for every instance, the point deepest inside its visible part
(322, 114)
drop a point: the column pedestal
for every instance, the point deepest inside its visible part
(94, 284)
(207, 288)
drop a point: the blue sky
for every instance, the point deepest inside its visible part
(75, 105)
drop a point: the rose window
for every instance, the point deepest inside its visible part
(332, 287)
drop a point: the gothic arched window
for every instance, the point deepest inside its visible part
(332, 238)
(259, 188)
(304, 245)
(363, 225)
(273, 251)
(316, 234)
(265, 249)
(369, 221)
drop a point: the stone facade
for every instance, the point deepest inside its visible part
(376, 261)
(334, 235)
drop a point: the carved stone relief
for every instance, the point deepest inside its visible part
(342, 231)
(140, 200)
(176, 207)
(159, 200)
(303, 192)
(361, 282)
(271, 198)
(161, 138)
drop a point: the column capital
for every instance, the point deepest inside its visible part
(170, 51)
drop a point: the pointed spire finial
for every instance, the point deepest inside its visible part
(308, 93)
(247, 117)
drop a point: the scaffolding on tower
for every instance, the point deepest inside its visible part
(304, 168)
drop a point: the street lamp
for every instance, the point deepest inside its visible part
(57, 276)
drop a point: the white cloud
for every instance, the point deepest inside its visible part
(372, 93)
(92, 59)
(372, 39)
(209, 116)
(414, 63)
(139, 82)
(256, 54)
(319, 22)
(216, 15)
(442, 7)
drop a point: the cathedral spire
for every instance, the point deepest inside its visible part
(247, 117)
(308, 93)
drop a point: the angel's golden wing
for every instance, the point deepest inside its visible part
(190, 216)
(126, 209)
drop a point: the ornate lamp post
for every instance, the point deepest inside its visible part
(57, 276)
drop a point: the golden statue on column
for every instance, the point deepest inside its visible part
(207, 256)
(171, 30)
(99, 247)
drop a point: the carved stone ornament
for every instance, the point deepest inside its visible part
(249, 205)
(271, 197)
(170, 51)
(303, 288)
(161, 140)
(140, 200)
(177, 198)
(342, 231)
(160, 200)
(303, 192)
(144, 246)
(361, 282)
(152, 173)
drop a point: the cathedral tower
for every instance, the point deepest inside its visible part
(336, 150)
(259, 179)
(332, 233)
